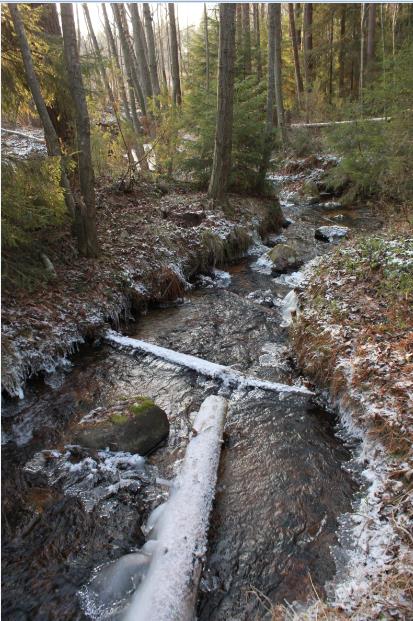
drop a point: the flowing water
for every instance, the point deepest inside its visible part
(282, 479)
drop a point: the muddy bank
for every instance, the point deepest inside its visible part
(151, 246)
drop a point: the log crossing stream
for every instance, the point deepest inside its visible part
(282, 479)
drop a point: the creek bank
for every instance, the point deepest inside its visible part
(354, 338)
(151, 246)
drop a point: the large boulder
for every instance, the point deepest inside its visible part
(133, 427)
(331, 233)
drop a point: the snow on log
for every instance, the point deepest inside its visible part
(23, 135)
(169, 590)
(228, 376)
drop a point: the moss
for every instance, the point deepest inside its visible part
(141, 404)
(119, 419)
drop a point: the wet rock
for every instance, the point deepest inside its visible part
(135, 428)
(331, 233)
(263, 298)
(284, 257)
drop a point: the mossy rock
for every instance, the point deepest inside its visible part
(138, 428)
(284, 258)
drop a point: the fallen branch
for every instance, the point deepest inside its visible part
(23, 135)
(228, 376)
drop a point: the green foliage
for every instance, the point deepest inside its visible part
(377, 157)
(32, 198)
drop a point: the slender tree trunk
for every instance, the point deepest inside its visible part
(140, 52)
(128, 55)
(331, 55)
(371, 38)
(239, 27)
(151, 50)
(206, 41)
(52, 140)
(113, 54)
(341, 55)
(246, 35)
(361, 81)
(88, 237)
(79, 36)
(269, 124)
(105, 80)
(221, 166)
(308, 48)
(277, 71)
(176, 82)
(297, 18)
(293, 34)
(258, 59)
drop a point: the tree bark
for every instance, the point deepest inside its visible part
(221, 166)
(150, 39)
(140, 51)
(362, 60)
(51, 137)
(114, 57)
(128, 56)
(308, 48)
(276, 7)
(87, 223)
(371, 38)
(246, 36)
(331, 57)
(293, 34)
(258, 59)
(176, 82)
(269, 124)
(297, 18)
(341, 54)
(206, 41)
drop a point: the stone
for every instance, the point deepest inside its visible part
(331, 233)
(284, 257)
(140, 428)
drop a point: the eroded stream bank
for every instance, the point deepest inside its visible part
(282, 481)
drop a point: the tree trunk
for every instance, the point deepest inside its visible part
(206, 40)
(308, 48)
(361, 81)
(221, 166)
(105, 79)
(258, 59)
(150, 39)
(331, 57)
(371, 38)
(293, 34)
(269, 124)
(52, 140)
(87, 222)
(239, 27)
(140, 52)
(128, 55)
(246, 37)
(176, 82)
(114, 56)
(297, 18)
(276, 7)
(341, 54)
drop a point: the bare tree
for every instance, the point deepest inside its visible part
(276, 7)
(114, 58)
(341, 54)
(308, 49)
(150, 39)
(140, 51)
(221, 166)
(269, 124)
(52, 140)
(176, 81)
(257, 34)
(297, 71)
(87, 226)
(371, 38)
(246, 36)
(206, 41)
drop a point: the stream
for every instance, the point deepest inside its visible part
(283, 479)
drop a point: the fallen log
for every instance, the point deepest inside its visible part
(169, 590)
(228, 376)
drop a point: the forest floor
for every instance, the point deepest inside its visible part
(152, 244)
(354, 338)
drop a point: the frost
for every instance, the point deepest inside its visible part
(228, 376)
